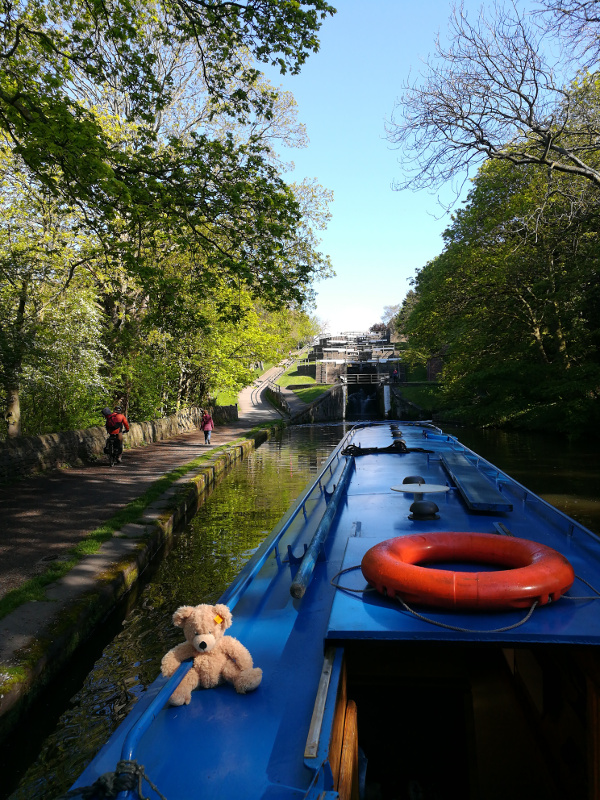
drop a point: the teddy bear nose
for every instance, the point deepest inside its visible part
(202, 645)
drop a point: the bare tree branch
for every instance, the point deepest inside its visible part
(491, 93)
(577, 23)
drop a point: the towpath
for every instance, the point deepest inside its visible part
(43, 516)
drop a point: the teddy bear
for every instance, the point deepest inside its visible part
(217, 658)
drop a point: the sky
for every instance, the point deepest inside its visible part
(377, 237)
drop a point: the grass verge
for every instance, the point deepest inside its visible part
(291, 377)
(426, 397)
(310, 393)
(226, 398)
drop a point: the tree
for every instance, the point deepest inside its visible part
(207, 178)
(576, 23)
(389, 312)
(46, 44)
(42, 281)
(510, 304)
(149, 135)
(493, 93)
(404, 311)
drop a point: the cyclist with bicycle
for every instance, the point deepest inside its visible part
(115, 423)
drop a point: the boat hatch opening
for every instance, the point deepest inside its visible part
(333, 734)
(475, 722)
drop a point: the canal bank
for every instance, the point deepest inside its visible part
(39, 637)
(48, 521)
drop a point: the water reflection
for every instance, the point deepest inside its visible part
(205, 559)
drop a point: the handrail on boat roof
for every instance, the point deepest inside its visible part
(233, 592)
(309, 560)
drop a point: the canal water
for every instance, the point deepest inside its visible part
(94, 696)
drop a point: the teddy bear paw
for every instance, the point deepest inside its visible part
(248, 680)
(180, 699)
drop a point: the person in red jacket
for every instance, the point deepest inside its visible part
(116, 422)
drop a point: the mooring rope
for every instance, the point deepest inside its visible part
(128, 776)
(396, 447)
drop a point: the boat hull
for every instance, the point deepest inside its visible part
(347, 672)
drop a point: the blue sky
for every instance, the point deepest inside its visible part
(377, 237)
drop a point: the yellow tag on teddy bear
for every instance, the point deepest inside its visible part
(218, 619)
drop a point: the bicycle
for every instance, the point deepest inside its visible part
(112, 449)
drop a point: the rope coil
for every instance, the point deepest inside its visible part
(128, 776)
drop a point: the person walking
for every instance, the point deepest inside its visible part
(207, 425)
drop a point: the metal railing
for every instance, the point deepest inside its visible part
(364, 378)
(283, 403)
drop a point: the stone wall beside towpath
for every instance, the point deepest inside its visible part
(28, 455)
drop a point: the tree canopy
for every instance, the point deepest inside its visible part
(52, 49)
(144, 198)
(510, 306)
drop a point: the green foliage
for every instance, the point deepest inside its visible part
(150, 250)
(416, 372)
(54, 50)
(511, 304)
(62, 383)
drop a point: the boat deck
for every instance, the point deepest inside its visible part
(224, 745)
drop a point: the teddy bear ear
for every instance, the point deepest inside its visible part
(182, 614)
(225, 614)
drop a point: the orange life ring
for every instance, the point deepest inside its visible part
(535, 572)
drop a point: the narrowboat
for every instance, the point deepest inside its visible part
(427, 628)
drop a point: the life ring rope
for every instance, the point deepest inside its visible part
(428, 619)
(445, 624)
(467, 630)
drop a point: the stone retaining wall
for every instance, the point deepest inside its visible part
(327, 408)
(309, 370)
(28, 455)
(277, 399)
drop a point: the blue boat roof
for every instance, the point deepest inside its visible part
(224, 745)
